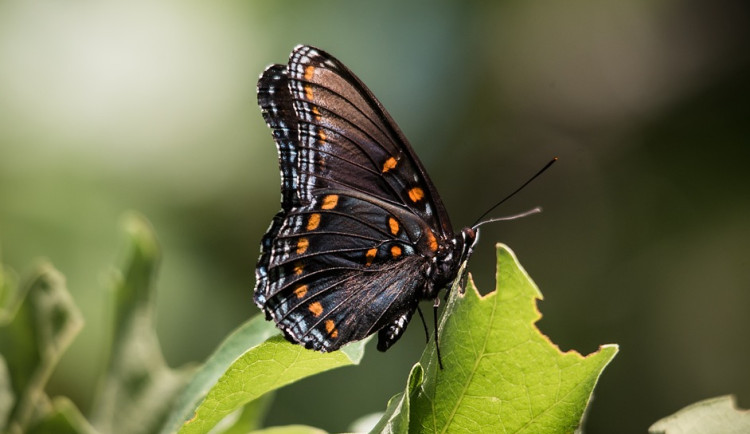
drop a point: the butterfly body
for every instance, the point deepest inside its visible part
(362, 235)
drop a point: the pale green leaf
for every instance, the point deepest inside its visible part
(290, 429)
(716, 415)
(365, 423)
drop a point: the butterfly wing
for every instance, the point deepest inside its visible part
(341, 121)
(347, 253)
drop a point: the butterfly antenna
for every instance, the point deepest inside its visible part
(534, 211)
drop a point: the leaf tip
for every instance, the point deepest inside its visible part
(507, 257)
(416, 377)
(140, 233)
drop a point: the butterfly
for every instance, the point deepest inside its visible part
(362, 235)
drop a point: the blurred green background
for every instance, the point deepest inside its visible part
(111, 106)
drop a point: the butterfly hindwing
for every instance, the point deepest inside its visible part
(336, 233)
(328, 261)
(327, 312)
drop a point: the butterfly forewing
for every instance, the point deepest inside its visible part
(331, 100)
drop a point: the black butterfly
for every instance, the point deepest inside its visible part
(362, 235)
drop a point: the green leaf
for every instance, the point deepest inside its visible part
(261, 369)
(138, 388)
(715, 415)
(38, 324)
(248, 335)
(501, 373)
(396, 417)
(248, 419)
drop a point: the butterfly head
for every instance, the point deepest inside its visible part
(448, 260)
(469, 236)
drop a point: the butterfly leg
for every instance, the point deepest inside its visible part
(424, 323)
(462, 282)
(435, 317)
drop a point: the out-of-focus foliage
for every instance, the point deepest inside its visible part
(137, 389)
(138, 393)
(151, 106)
(38, 320)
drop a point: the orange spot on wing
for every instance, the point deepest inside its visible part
(315, 308)
(431, 241)
(331, 328)
(416, 194)
(330, 201)
(393, 225)
(389, 164)
(302, 245)
(309, 71)
(308, 92)
(313, 222)
(395, 251)
(322, 136)
(298, 267)
(301, 291)
(316, 112)
(370, 256)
